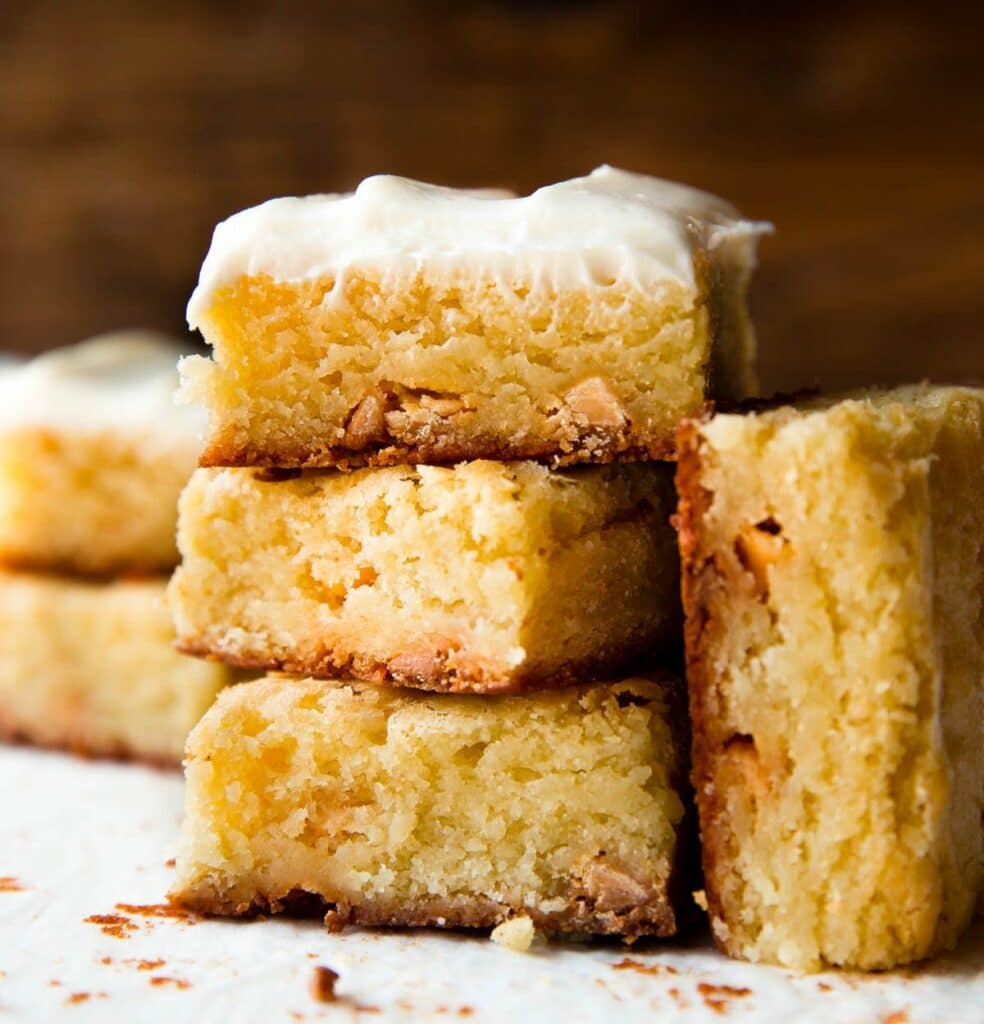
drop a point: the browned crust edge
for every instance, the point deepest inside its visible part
(695, 564)
(77, 744)
(578, 917)
(436, 675)
(95, 571)
(223, 451)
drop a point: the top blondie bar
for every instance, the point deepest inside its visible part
(406, 323)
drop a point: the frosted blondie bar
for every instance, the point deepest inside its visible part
(406, 323)
(93, 456)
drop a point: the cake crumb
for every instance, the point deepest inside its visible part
(627, 964)
(161, 979)
(516, 933)
(170, 862)
(10, 884)
(700, 898)
(323, 984)
(898, 1017)
(115, 925)
(717, 997)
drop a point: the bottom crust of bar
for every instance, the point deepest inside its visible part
(429, 672)
(69, 740)
(222, 451)
(579, 916)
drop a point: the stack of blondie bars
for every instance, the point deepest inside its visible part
(93, 455)
(435, 501)
(483, 721)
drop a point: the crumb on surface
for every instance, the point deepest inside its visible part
(161, 979)
(718, 997)
(516, 933)
(115, 925)
(628, 964)
(323, 982)
(700, 898)
(156, 910)
(10, 884)
(170, 862)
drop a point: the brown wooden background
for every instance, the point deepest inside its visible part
(127, 129)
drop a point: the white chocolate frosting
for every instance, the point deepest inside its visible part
(124, 380)
(596, 230)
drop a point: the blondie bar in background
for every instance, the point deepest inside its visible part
(93, 455)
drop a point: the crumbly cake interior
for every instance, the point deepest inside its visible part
(432, 365)
(94, 503)
(485, 576)
(833, 582)
(92, 667)
(396, 807)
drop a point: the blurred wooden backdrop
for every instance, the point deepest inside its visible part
(127, 129)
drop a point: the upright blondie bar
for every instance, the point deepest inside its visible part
(407, 323)
(483, 577)
(833, 582)
(399, 808)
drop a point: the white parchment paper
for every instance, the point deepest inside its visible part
(84, 850)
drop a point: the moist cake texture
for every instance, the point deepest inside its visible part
(93, 456)
(407, 323)
(485, 577)
(833, 582)
(91, 667)
(399, 808)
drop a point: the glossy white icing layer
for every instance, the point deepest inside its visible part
(593, 230)
(122, 380)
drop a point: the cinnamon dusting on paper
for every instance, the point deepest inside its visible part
(628, 964)
(718, 997)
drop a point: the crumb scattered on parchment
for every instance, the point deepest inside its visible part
(83, 997)
(121, 926)
(54, 983)
(10, 884)
(170, 862)
(323, 984)
(157, 910)
(674, 994)
(516, 933)
(824, 987)
(160, 980)
(149, 965)
(627, 964)
(718, 997)
(115, 925)
(898, 1017)
(700, 898)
